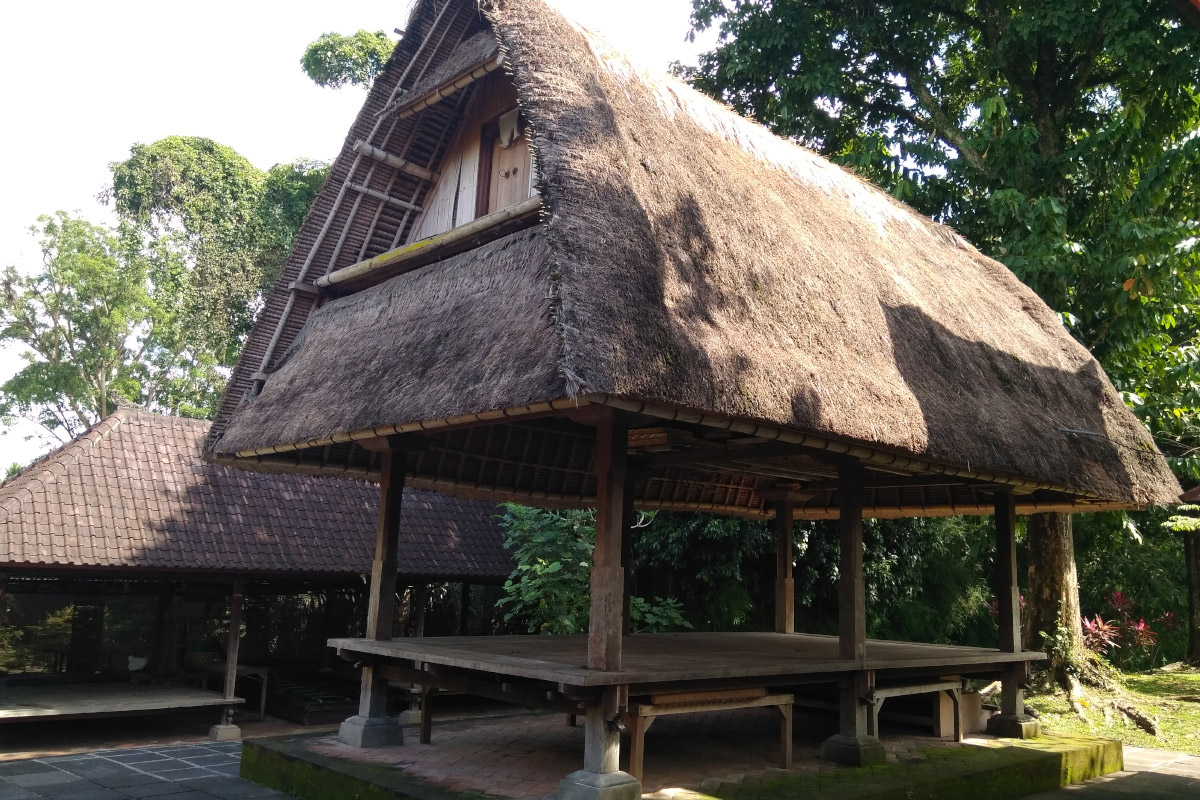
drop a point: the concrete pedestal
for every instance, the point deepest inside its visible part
(584, 785)
(361, 731)
(225, 733)
(856, 751)
(1013, 726)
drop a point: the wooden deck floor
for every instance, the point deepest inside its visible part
(663, 657)
(72, 701)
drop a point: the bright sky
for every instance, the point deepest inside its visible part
(84, 80)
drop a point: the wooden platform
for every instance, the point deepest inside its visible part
(673, 657)
(73, 701)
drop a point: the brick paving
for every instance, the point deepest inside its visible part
(524, 757)
(173, 772)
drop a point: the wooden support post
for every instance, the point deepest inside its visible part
(420, 599)
(235, 637)
(785, 586)
(853, 744)
(225, 730)
(371, 728)
(852, 593)
(427, 694)
(628, 518)
(608, 576)
(1011, 722)
(464, 608)
(159, 665)
(600, 778)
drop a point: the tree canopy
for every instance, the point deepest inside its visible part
(334, 60)
(1060, 138)
(155, 310)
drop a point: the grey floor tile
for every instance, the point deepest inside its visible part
(214, 759)
(182, 772)
(33, 779)
(125, 781)
(26, 767)
(9, 791)
(79, 790)
(159, 788)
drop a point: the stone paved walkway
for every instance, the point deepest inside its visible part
(180, 772)
(1149, 774)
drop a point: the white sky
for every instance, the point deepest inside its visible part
(85, 80)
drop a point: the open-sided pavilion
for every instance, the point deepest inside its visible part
(130, 509)
(537, 273)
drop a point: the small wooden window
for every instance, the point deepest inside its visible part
(504, 178)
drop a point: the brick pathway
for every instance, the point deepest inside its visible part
(1149, 774)
(526, 756)
(181, 772)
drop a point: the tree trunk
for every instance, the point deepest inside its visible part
(1053, 584)
(1191, 556)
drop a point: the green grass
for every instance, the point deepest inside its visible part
(1153, 694)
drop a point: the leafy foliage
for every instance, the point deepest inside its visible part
(97, 322)
(1058, 137)
(334, 60)
(227, 226)
(549, 587)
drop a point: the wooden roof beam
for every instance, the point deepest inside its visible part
(396, 162)
(724, 455)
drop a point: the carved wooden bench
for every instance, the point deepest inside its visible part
(641, 716)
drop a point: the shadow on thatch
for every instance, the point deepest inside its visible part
(974, 396)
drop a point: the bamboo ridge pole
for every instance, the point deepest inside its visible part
(436, 247)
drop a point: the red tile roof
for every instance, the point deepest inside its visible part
(134, 492)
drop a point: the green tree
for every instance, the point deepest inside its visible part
(1060, 137)
(548, 589)
(227, 224)
(334, 60)
(97, 322)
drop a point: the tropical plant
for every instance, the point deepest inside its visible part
(334, 60)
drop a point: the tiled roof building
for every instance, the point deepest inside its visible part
(134, 493)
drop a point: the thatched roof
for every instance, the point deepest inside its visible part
(725, 287)
(133, 494)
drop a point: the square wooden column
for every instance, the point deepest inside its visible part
(785, 585)
(1012, 721)
(225, 730)
(601, 778)
(852, 744)
(371, 727)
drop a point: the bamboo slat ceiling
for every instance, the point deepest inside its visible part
(133, 493)
(757, 313)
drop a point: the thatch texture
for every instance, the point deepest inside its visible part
(697, 262)
(477, 50)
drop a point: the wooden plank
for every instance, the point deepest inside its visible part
(852, 593)
(668, 658)
(77, 701)
(381, 606)
(701, 697)
(647, 710)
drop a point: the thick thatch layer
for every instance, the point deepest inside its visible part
(389, 353)
(475, 51)
(698, 262)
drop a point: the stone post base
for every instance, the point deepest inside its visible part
(225, 733)
(584, 785)
(857, 751)
(370, 732)
(1013, 726)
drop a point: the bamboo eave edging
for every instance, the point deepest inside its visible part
(867, 455)
(472, 234)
